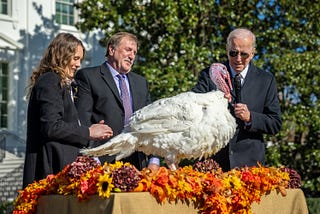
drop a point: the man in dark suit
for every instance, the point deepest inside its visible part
(100, 92)
(255, 106)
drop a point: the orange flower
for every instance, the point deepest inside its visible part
(211, 192)
(143, 186)
(158, 193)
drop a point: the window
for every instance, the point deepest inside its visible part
(5, 6)
(4, 89)
(65, 12)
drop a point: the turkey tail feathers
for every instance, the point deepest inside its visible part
(122, 145)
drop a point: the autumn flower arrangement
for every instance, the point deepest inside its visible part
(204, 184)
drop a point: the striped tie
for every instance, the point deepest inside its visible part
(237, 87)
(125, 98)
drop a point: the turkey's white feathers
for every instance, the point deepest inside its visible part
(189, 125)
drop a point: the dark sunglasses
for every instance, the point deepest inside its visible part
(243, 55)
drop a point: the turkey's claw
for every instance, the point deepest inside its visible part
(172, 166)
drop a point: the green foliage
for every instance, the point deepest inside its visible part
(313, 205)
(294, 55)
(180, 38)
(6, 207)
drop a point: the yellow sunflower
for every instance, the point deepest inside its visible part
(105, 185)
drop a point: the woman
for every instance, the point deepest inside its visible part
(54, 133)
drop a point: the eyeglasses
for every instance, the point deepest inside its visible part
(243, 55)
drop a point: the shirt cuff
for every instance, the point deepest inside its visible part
(97, 159)
(154, 160)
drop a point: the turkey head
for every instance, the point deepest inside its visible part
(220, 77)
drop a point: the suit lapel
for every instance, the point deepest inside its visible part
(249, 81)
(108, 78)
(133, 90)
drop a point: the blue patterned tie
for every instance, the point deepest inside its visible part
(125, 98)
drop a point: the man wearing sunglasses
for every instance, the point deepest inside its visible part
(255, 103)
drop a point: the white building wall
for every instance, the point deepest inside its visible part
(23, 37)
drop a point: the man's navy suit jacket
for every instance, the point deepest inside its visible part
(259, 92)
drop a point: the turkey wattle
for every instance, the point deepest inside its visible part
(186, 126)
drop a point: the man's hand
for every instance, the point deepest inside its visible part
(242, 112)
(153, 167)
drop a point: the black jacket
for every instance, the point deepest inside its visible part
(54, 135)
(259, 92)
(98, 99)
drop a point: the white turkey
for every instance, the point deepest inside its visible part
(186, 126)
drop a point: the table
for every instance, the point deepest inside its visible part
(144, 203)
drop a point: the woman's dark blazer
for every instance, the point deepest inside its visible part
(54, 135)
